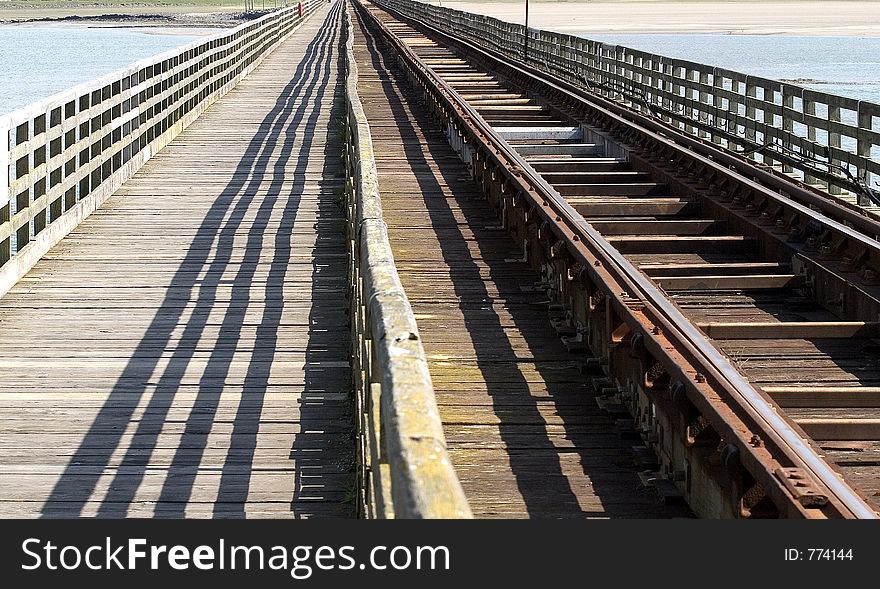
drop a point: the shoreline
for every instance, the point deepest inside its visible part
(171, 29)
(830, 18)
(117, 16)
(827, 18)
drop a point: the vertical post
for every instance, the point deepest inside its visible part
(787, 123)
(809, 108)
(833, 139)
(706, 101)
(526, 38)
(751, 116)
(5, 197)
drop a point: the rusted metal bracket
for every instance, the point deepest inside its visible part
(802, 487)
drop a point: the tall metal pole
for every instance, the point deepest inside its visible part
(526, 39)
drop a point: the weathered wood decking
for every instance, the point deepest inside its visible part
(185, 352)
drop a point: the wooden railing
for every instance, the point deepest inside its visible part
(404, 469)
(63, 156)
(830, 142)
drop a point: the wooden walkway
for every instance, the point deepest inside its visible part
(185, 351)
(524, 431)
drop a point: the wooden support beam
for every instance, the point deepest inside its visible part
(792, 330)
(481, 83)
(824, 396)
(545, 132)
(609, 189)
(544, 164)
(591, 176)
(616, 207)
(750, 282)
(657, 270)
(820, 428)
(694, 244)
(654, 226)
(517, 108)
(469, 96)
(558, 149)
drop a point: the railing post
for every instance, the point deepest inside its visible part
(833, 141)
(864, 144)
(5, 193)
(787, 122)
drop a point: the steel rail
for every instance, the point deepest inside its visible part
(676, 324)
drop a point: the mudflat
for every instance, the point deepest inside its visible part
(114, 13)
(734, 17)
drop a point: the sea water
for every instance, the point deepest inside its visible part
(846, 66)
(36, 61)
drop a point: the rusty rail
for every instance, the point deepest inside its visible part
(404, 470)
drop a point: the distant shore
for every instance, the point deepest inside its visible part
(189, 15)
(734, 17)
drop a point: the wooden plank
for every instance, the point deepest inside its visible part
(734, 282)
(791, 330)
(184, 352)
(841, 429)
(819, 396)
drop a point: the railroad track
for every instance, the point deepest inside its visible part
(735, 317)
(521, 426)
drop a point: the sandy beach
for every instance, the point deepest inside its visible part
(190, 15)
(734, 17)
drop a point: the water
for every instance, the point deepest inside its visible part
(847, 66)
(40, 61)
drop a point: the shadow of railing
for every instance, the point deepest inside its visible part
(270, 162)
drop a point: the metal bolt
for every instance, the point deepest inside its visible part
(699, 377)
(756, 441)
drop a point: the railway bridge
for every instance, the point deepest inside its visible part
(377, 258)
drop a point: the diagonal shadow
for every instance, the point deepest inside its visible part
(323, 452)
(212, 252)
(178, 485)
